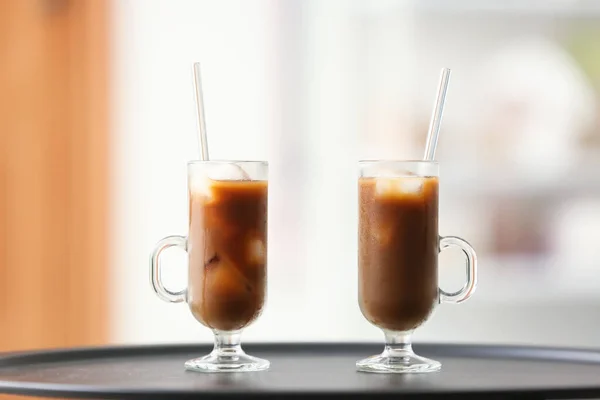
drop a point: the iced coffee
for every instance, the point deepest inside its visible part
(227, 248)
(398, 250)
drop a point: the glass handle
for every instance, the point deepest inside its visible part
(469, 287)
(155, 269)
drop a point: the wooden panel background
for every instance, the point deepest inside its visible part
(53, 173)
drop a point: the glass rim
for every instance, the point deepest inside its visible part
(416, 162)
(207, 162)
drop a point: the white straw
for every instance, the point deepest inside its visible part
(202, 139)
(436, 116)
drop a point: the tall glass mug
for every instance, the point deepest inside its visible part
(398, 258)
(227, 250)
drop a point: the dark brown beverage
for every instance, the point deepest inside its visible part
(398, 250)
(227, 248)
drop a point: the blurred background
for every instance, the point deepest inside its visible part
(98, 122)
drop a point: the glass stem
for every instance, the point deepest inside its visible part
(398, 344)
(228, 344)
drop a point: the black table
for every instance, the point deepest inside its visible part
(300, 370)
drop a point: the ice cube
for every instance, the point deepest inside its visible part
(387, 187)
(383, 233)
(411, 185)
(256, 251)
(212, 261)
(388, 171)
(398, 186)
(229, 172)
(201, 186)
(201, 183)
(225, 283)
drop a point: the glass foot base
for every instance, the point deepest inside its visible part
(227, 362)
(398, 363)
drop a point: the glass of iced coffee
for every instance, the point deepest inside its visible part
(398, 258)
(227, 252)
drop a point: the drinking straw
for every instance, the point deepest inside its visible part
(202, 139)
(436, 116)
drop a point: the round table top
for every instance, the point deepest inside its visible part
(152, 372)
